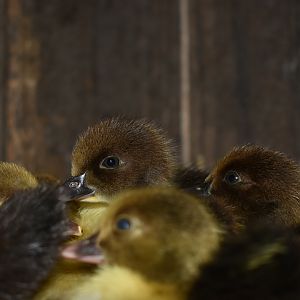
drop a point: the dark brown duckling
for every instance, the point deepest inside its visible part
(262, 263)
(152, 242)
(259, 184)
(33, 225)
(190, 179)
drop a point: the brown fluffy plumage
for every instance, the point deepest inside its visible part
(146, 155)
(170, 234)
(259, 184)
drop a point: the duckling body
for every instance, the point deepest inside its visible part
(260, 184)
(153, 241)
(129, 286)
(262, 263)
(33, 225)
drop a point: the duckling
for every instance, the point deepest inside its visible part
(152, 242)
(33, 225)
(263, 262)
(190, 179)
(260, 184)
(118, 154)
(14, 177)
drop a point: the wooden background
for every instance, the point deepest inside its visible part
(213, 73)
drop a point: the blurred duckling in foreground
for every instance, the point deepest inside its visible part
(258, 184)
(262, 263)
(13, 178)
(151, 242)
(33, 224)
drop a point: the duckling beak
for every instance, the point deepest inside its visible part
(205, 190)
(77, 188)
(85, 251)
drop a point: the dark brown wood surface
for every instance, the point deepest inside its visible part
(66, 64)
(245, 82)
(2, 74)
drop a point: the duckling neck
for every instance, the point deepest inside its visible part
(89, 217)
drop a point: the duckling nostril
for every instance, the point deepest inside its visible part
(77, 187)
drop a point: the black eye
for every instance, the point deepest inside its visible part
(123, 224)
(110, 162)
(232, 177)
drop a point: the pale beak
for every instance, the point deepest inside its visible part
(85, 251)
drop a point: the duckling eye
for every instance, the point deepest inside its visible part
(123, 224)
(110, 162)
(232, 177)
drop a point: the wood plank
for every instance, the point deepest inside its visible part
(73, 63)
(246, 61)
(2, 76)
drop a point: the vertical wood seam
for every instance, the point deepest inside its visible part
(185, 85)
(3, 77)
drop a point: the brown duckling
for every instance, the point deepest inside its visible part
(190, 179)
(14, 177)
(118, 154)
(151, 242)
(258, 184)
(33, 225)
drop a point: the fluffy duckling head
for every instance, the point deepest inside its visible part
(259, 183)
(117, 154)
(14, 177)
(163, 234)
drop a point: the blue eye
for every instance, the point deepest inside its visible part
(123, 224)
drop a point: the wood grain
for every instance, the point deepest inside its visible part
(67, 64)
(3, 44)
(87, 61)
(245, 68)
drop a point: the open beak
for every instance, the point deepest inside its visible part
(85, 251)
(73, 229)
(77, 188)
